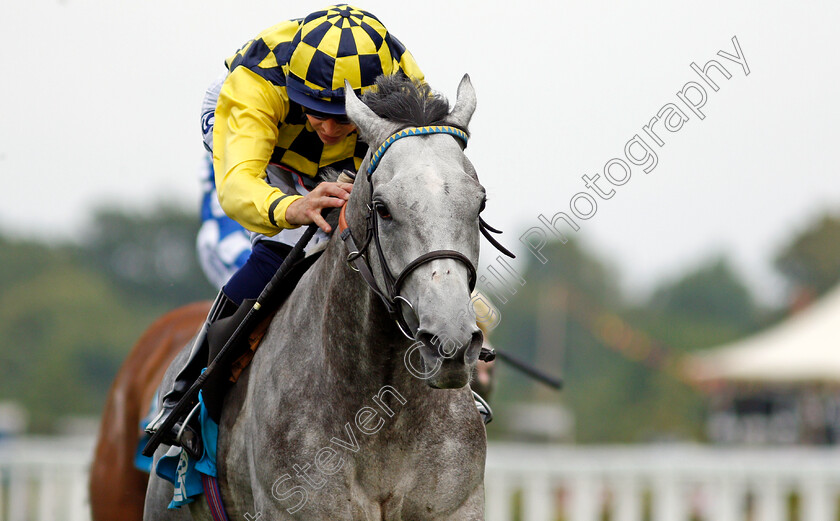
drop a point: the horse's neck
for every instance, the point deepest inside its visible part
(358, 339)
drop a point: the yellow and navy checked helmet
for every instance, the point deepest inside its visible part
(340, 42)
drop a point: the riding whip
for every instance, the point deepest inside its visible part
(256, 313)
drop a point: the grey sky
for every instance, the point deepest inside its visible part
(101, 103)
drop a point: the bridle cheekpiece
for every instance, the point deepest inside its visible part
(357, 258)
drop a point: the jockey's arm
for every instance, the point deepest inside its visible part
(245, 133)
(247, 114)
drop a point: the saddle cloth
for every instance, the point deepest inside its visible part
(177, 466)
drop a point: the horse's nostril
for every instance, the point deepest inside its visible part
(441, 344)
(475, 343)
(426, 338)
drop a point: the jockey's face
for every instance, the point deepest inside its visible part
(329, 130)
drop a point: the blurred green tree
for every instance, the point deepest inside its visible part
(620, 363)
(811, 260)
(568, 319)
(69, 314)
(64, 334)
(711, 296)
(149, 256)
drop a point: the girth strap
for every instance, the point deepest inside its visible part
(214, 498)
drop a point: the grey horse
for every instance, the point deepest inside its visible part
(339, 415)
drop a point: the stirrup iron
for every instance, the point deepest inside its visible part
(483, 408)
(192, 443)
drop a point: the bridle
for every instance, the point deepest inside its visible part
(357, 257)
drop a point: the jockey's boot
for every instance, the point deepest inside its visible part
(183, 434)
(483, 408)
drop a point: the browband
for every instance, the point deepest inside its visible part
(413, 131)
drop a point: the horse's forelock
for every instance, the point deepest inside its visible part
(405, 101)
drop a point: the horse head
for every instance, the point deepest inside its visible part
(420, 198)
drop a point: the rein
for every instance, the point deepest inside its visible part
(357, 257)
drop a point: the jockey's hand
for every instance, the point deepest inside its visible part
(308, 209)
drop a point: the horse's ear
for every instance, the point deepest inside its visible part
(367, 122)
(465, 104)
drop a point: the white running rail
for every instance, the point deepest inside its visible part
(662, 483)
(45, 479)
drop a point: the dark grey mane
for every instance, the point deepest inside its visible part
(406, 101)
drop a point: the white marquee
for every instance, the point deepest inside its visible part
(803, 348)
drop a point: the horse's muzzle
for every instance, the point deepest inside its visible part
(449, 361)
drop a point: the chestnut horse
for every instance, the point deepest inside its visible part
(117, 488)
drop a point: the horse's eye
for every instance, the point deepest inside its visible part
(382, 210)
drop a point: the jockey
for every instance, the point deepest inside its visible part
(280, 118)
